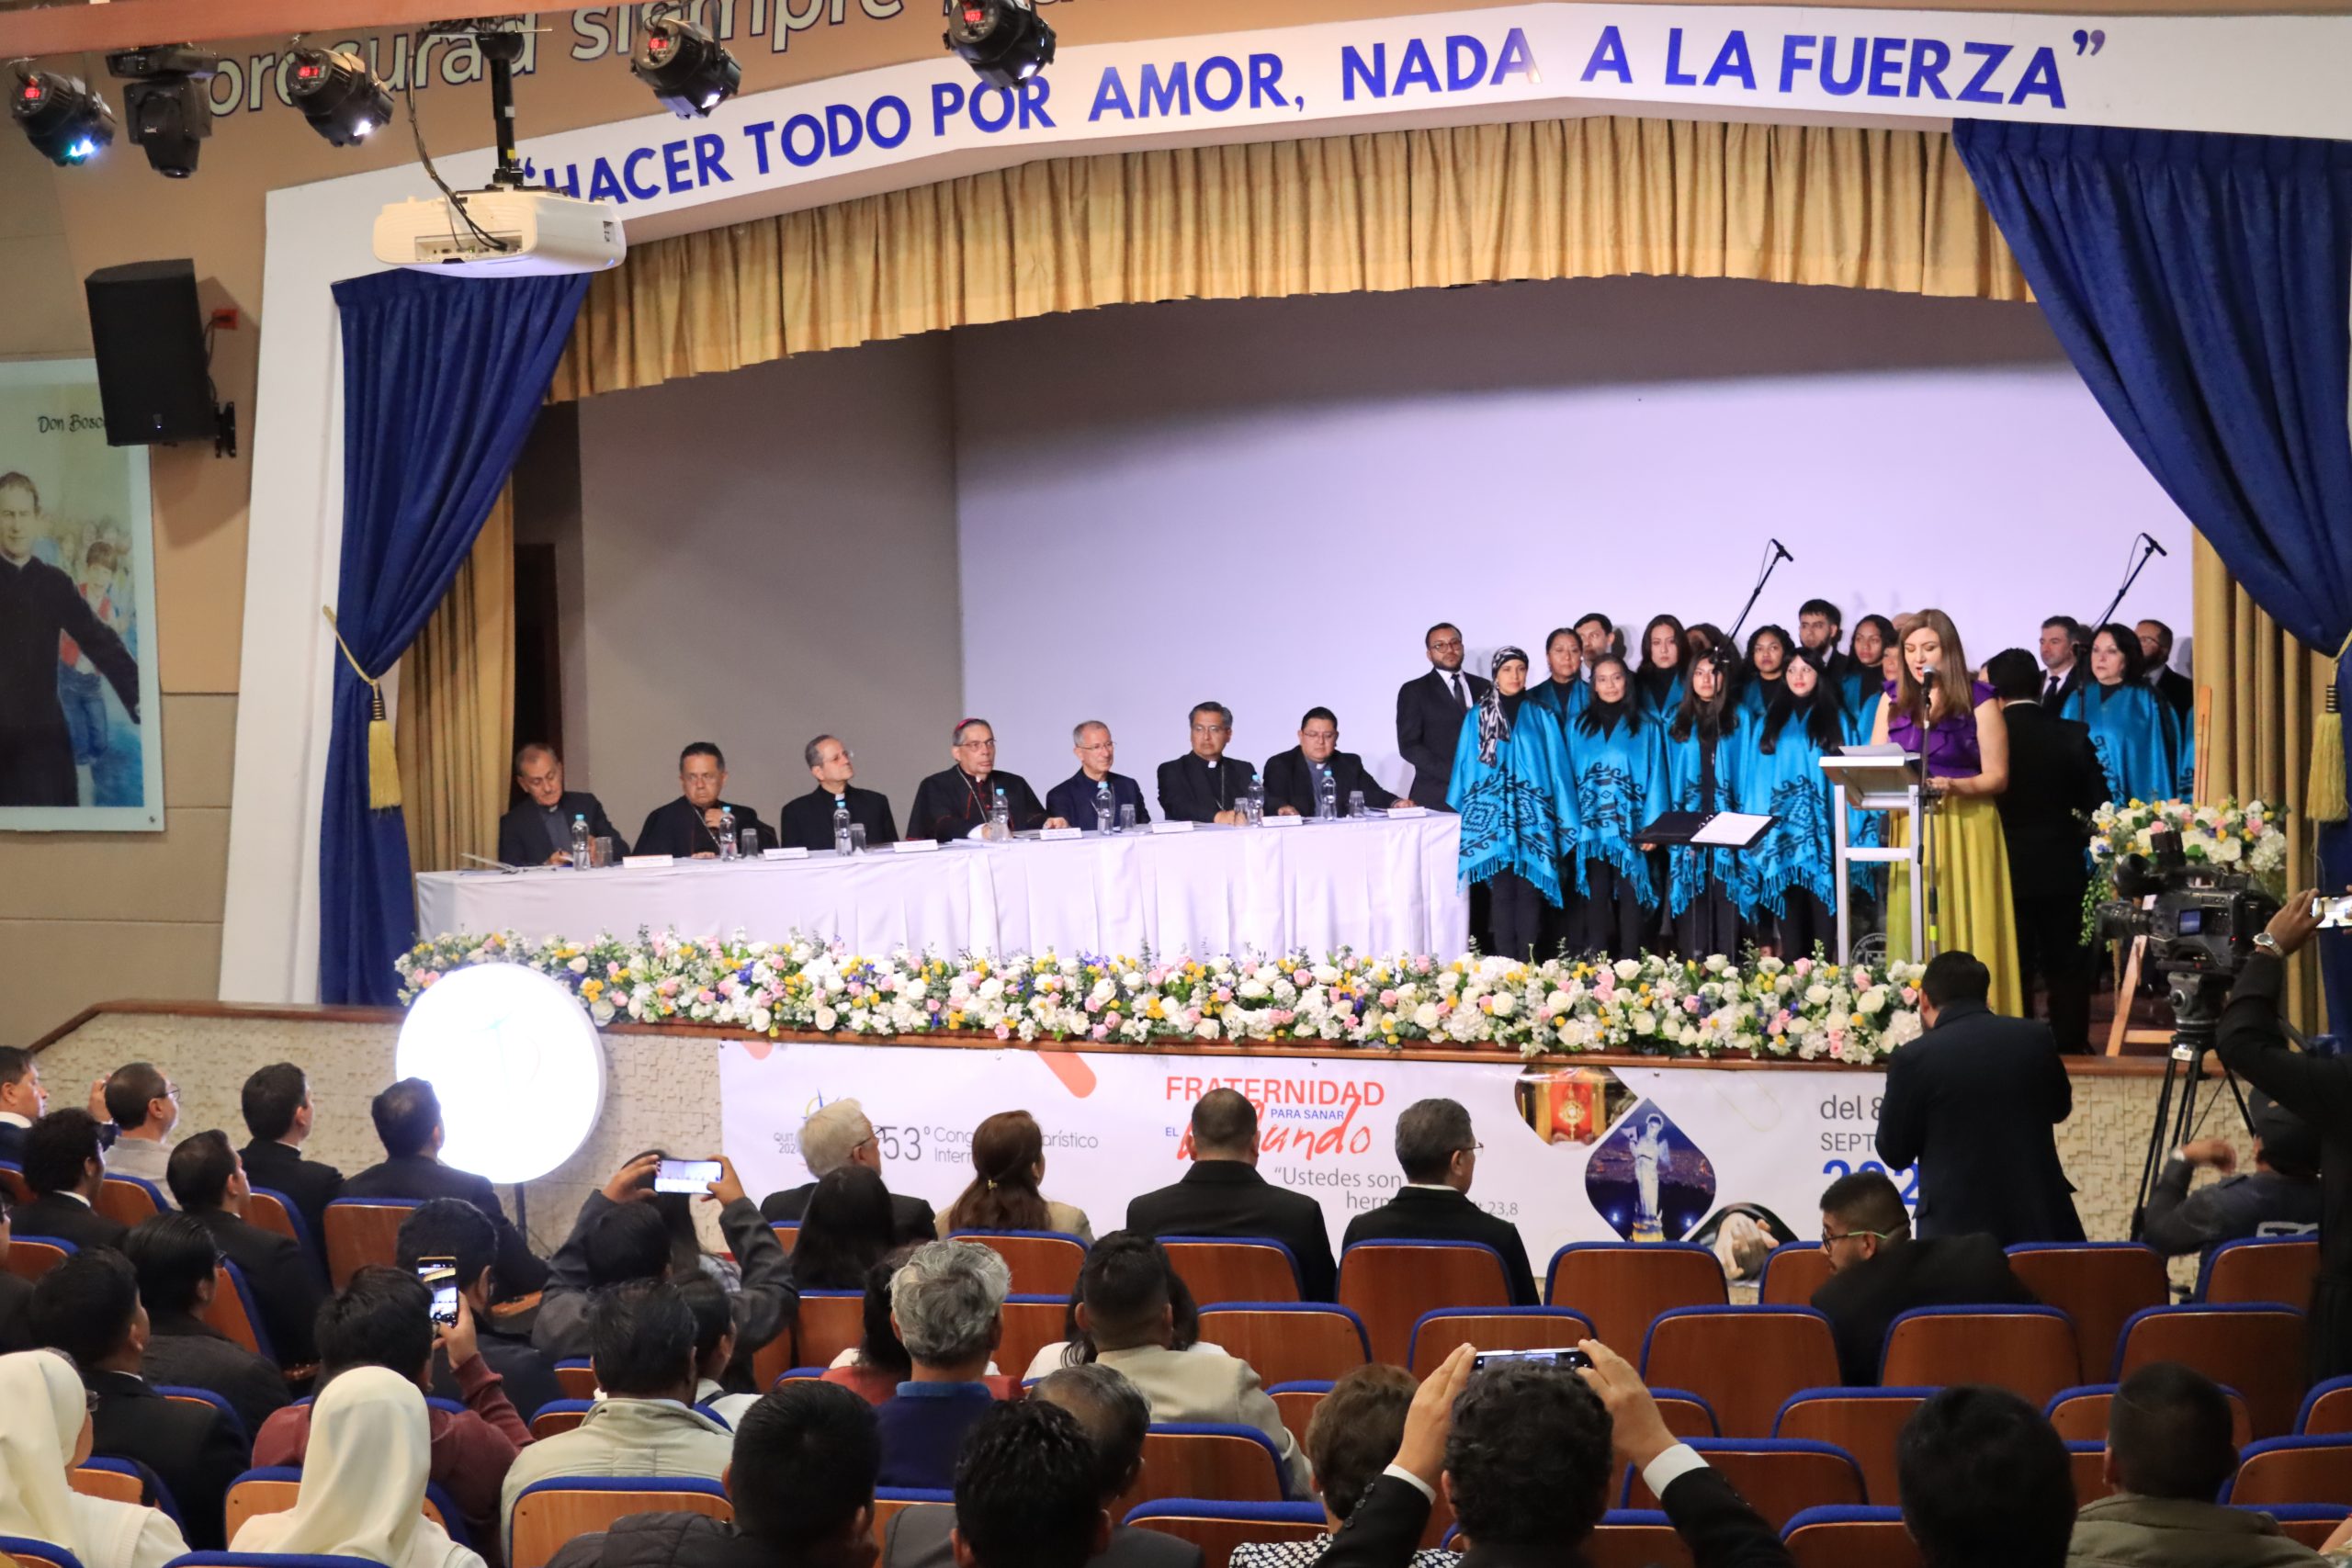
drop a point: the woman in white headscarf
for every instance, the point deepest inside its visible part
(363, 1481)
(44, 1433)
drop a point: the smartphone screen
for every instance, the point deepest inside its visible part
(440, 1276)
(1564, 1356)
(2332, 913)
(685, 1174)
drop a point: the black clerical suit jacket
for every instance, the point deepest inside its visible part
(1721, 1530)
(37, 603)
(12, 1143)
(1072, 800)
(2178, 691)
(1290, 781)
(678, 829)
(1863, 1299)
(1227, 1197)
(1192, 790)
(1428, 1213)
(911, 1217)
(286, 1285)
(807, 820)
(16, 1328)
(2055, 783)
(1429, 724)
(183, 1351)
(522, 834)
(61, 1218)
(420, 1176)
(1973, 1103)
(194, 1449)
(950, 804)
(305, 1183)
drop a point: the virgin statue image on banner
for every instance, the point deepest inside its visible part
(79, 750)
(1647, 1180)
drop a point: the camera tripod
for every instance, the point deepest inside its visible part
(2196, 998)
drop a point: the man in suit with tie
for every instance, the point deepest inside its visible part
(1429, 710)
(277, 1106)
(208, 1181)
(2178, 690)
(1294, 778)
(65, 1166)
(837, 1133)
(408, 1123)
(2063, 646)
(537, 830)
(1204, 784)
(2055, 783)
(1439, 1153)
(1222, 1194)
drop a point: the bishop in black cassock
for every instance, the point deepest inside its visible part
(950, 805)
(38, 603)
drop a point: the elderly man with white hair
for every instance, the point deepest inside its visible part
(834, 1135)
(947, 1308)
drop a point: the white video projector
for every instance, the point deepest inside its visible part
(537, 232)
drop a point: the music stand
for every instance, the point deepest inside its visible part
(1879, 779)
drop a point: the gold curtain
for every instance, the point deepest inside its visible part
(2265, 689)
(457, 711)
(1601, 197)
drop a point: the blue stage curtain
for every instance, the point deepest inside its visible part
(2202, 286)
(442, 378)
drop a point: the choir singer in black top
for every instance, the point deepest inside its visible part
(1204, 784)
(950, 804)
(1294, 777)
(808, 821)
(688, 827)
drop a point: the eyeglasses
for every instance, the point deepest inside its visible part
(90, 1401)
(1831, 1238)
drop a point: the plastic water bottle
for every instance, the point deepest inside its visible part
(728, 847)
(1104, 806)
(1255, 808)
(841, 825)
(581, 852)
(999, 815)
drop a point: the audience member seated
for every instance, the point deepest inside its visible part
(1007, 1169)
(88, 1307)
(622, 1236)
(1028, 1491)
(1223, 1194)
(408, 1123)
(144, 1106)
(2280, 1196)
(175, 1258)
(16, 1296)
(839, 1135)
(45, 1433)
(362, 1483)
(1351, 1440)
(277, 1106)
(1530, 1455)
(455, 1229)
(645, 1424)
(1877, 1273)
(845, 1231)
(1439, 1153)
(65, 1165)
(1124, 1306)
(24, 1102)
(210, 1182)
(2169, 1448)
(1986, 1483)
(947, 1306)
(802, 1483)
(382, 1318)
(877, 1363)
(1076, 1347)
(714, 1317)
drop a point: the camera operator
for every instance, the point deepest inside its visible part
(2252, 1043)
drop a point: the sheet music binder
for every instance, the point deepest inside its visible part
(1731, 830)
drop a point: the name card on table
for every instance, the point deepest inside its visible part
(1408, 811)
(1058, 835)
(1276, 819)
(1180, 825)
(914, 846)
(648, 863)
(790, 851)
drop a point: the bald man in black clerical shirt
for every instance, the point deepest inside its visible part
(688, 827)
(38, 603)
(807, 820)
(1204, 784)
(949, 805)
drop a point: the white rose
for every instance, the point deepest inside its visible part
(1871, 1001)
(1817, 994)
(1645, 1022)
(1448, 982)
(1627, 968)
(992, 988)
(827, 1018)
(1325, 974)
(1503, 1004)
(1557, 1002)
(579, 965)
(1205, 1030)
(1253, 990)
(1426, 1015)
(2229, 851)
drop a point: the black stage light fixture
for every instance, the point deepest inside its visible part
(66, 122)
(344, 100)
(688, 70)
(1004, 41)
(166, 104)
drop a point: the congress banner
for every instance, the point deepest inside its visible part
(1582, 1154)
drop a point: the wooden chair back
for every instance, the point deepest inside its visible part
(1851, 1538)
(1746, 1362)
(2254, 1348)
(561, 1508)
(2099, 1284)
(1779, 1478)
(1686, 1414)
(787, 1235)
(1621, 1287)
(558, 1417)
(128, 1200)
(97, 1479)
(1031, 1323)
(830, 1322)
(1296, 1402)
(2262, 1269)
(26, 1552)
(2088, 1462)
(1792, 1271)
(266, 1211)
(577, 1378)
(30, 1257)
(1233, 1269)
(2031, 1351)
(1218, 1528)
(1865, 1422)
(1043, 1263)
(233, 1313)
(1308, 1342)
(2079, 1415)
(1234, 1464)
(1492, 1329)
(13, 1186)
(2294, 1469)
(363, 1233)
(889, 1502)
(2307, 1524)
(2326, 1408)
(1390, 1285)
(1635, 1538)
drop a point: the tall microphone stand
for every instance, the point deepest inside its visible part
(1780, 554)
(2151, 551)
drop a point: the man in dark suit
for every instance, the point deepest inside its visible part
(807, 820)
(1985, 1480)
(1204, 784)
(408, 1123)
(176, 1263)
(16, 1300)
(1223, 1194)
(537, 829)
(1076, 798)
(88, 1307)
(277, 1106)
(1294, 778)
(455, 1229)
(2063, 664)
(835, 1134)
(210, 1182)
(689, 826)
(64, 1167)
(1440, 1155)
(1429, 710)
(1529, 1453)
(1820, 626)
(22, 1101)
(2055, 783)
(2178, 690)
(952, 802)
(1877, 1271)
(1973, 1103)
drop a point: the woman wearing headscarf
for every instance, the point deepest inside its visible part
(1702, 750)
(363, 1481)
(1792, 871)
(44, 1434)
(2136, 733)
(1619, 763)
(1510, 788)
(1666, 659)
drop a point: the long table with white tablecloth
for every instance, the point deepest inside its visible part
(1379, 885)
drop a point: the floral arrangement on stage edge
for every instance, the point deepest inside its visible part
(2251, 838)
(1804, 1008)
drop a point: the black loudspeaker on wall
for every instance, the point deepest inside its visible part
(154, 375)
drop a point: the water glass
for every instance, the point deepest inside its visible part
(750, 839)
(1127, 817)
(600, 853)
(1355, 803)
(857, 838)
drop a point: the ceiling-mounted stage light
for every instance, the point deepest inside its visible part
(164, 102)
(338, 95)
(688, 70)
(1004, 41)
(65, 121)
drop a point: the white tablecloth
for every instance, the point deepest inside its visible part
(1379, 886)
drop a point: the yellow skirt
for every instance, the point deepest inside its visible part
(1969, 860)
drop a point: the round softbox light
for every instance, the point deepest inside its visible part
(517, 1064)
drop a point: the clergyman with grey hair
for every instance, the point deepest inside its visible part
(838, 1134)
(1080, 799)
(808, 821)
(1437, 1153)
(947, 1306)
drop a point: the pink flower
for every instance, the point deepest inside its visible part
(1225, 993)
(1301, 978)
(1098, 1032)
(1110, 1020)
(1689, 1004)
(1003, 1031)
(1388, 999)
(1778, 1026)
(1802, 967)
(1192, 1017)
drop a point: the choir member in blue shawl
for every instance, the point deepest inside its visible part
(1657, 684)
(1705, 637)
(1768, 667)
(1564, 694)
(2135, 732)
(1862, 685)
(1790, 873)
(1703, 745)
(1518, 807)
(1619, 765)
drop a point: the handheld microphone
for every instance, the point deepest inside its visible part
(1782, 551)
(2153, 545)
